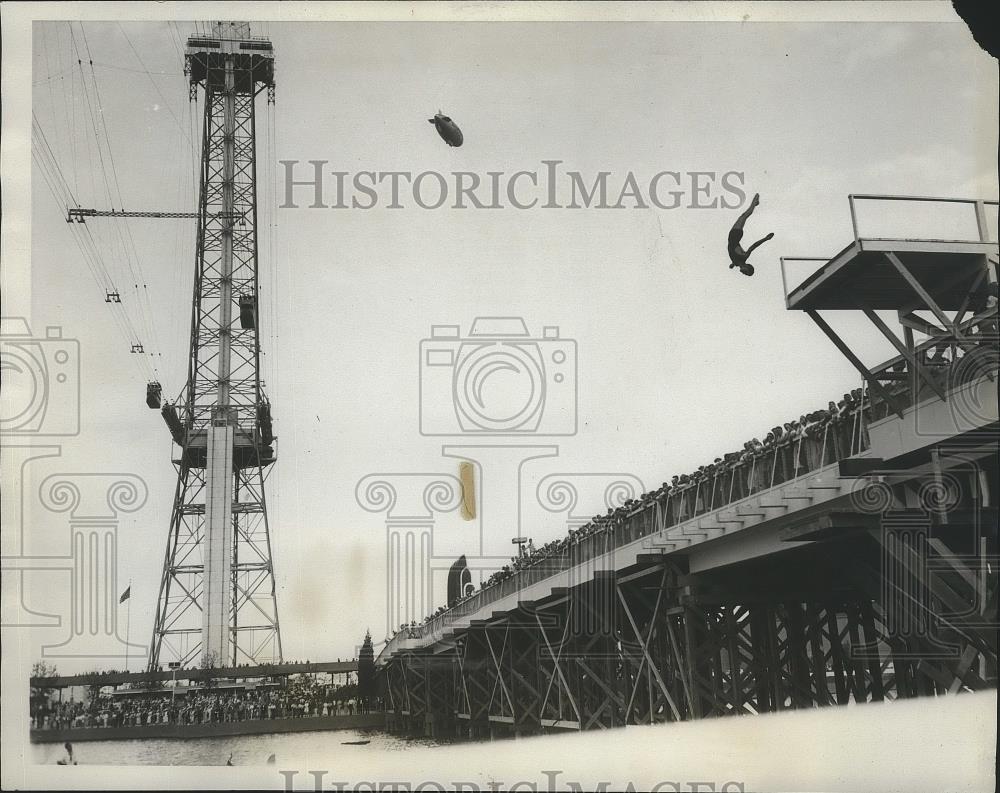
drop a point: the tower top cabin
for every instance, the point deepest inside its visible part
(252, 58)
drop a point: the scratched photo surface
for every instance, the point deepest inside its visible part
(499, 397)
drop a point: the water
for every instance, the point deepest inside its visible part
(247, 750)
(917, 745)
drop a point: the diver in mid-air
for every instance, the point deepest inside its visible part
(447, 129)
(737, 256)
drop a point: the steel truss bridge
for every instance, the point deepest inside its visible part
(858, 565)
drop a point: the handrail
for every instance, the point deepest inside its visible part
(597, 543)
(979, 203)
(933, 199)
(784, 279)
(982, 228)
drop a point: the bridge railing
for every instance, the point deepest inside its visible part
(811, 446)
(756, 471)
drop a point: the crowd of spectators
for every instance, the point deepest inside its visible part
(788, 451)
(111, 673)
(301, 697)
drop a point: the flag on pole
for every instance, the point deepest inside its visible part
(126, 594)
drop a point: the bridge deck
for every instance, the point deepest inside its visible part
(765, 523)
(752, 527)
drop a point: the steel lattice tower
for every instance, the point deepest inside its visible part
(217, 600)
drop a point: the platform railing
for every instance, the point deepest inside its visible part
(978, 205)
(978, 223)
(789, 265)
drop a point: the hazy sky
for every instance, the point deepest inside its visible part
(680, 359)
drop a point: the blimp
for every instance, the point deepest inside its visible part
(447, 129)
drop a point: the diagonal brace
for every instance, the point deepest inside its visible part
(911, 359)
(875, 385)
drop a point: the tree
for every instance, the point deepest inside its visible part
(94, 690)
(38, 697)
(209, 662)
(42, 669)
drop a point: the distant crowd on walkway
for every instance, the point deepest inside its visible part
(109, 673)
(788, 451)
(301, 698)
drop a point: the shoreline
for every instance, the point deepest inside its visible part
(213, 730)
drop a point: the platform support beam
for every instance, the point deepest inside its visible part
(906, 351)
(848, 353)
(929, 302)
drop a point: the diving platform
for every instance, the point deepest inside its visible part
(891, 273)
(865, 275)
(940, 279)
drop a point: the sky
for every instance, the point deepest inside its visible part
(679, 359)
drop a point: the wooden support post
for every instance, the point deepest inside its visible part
(501, 699)
(649, 660)
(694, 629)
(856, 663)
(962, 669)
(871, 648)
(814, 635)
(563, 689)
(760, 637)
(837, 659)
(732, 652)
(525, 683)
(797, 655)
(682, 672)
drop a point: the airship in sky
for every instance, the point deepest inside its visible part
(447, 129)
